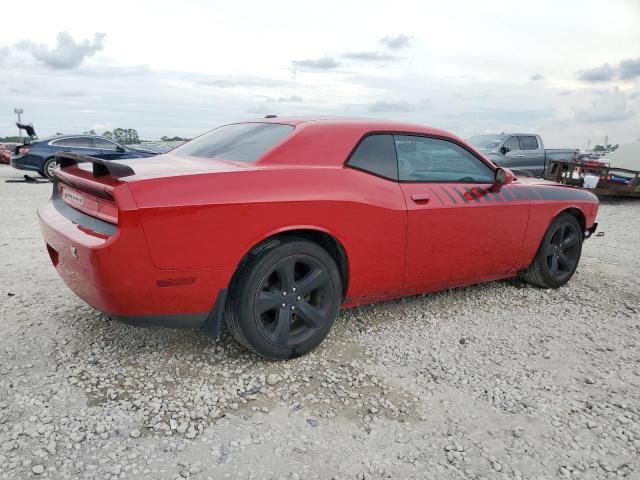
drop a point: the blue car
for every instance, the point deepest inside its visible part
(39, 155)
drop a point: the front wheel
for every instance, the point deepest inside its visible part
(285, 299)
(557, 258)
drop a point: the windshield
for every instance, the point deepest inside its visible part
(240, 142)
(486, 141)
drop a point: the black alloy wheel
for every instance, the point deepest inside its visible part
(284, 299)
(293, 300)
(558, 255)
(563, 251)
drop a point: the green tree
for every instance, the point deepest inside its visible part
(119, 135)
(126, 136)
(108, 135)
(599, 148)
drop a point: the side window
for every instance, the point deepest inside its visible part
(73, 142)
(103, 144)
(513, 143)
(529, 142)
(376, 154)
(424, 159)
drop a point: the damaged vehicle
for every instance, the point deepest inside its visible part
(271, 226)
(40, 155)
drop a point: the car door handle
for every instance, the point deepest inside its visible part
(420, 197)
(520, 156)
(540, 156)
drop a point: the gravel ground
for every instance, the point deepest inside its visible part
(494, 381)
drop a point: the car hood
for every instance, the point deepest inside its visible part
(144, 150)
(541, 182)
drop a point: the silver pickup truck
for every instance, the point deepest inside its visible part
(522, 152)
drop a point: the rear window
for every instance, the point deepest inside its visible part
(528, 143)
(376, 154)
(73, 142)
(241, 142)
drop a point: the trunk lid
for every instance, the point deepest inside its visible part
(98, 187)
(169, 165)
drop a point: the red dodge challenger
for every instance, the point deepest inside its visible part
(270, 226)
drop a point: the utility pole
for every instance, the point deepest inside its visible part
(19, 111)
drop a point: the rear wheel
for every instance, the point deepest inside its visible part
(285, 299)
(558, 255)
(49, 166)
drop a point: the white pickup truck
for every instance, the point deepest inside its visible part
(522, 152)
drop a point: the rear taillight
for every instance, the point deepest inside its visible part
(24, 150)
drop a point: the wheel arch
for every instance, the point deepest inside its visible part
(319, 236)
(577, 213)
(45, 159)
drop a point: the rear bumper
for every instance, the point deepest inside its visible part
(114, 273)
(18, 164)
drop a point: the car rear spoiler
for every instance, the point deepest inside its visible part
(101, 168)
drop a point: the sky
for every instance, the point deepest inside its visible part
(568, 70)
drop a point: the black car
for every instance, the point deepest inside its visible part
(39, 155)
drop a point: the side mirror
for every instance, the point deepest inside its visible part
(120, 149)
(503, 176)
(505, 149)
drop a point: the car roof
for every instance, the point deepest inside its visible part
(328, 141)
(66, 135)
(367, 124)
(51, 138)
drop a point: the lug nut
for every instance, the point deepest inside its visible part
(293, 307)
(284, 294)
(284, 305)
(293, 289)
(299, 297)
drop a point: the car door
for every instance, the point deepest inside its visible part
(459, 230)
(79, 145)
(533, 154)
(515, 153)
(107, 149)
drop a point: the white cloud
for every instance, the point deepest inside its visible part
(67, 53)
(396, 42)
(168, 77)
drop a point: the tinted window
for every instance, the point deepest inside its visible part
(104, 144)
(376, 154)
(242, 142)
(513, 143)
(529, 142)
(422, 159)
(73, 142)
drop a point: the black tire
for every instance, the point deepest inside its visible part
(47, 169)
(558, 255)
(300, 289)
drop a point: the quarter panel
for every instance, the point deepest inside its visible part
(550, 200)
(214, 220)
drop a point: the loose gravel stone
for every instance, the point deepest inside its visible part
(500, 380)
(38, 469)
